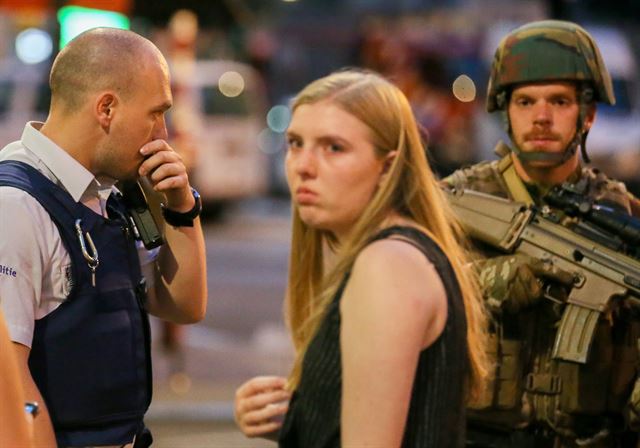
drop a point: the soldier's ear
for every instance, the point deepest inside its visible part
(590, 118)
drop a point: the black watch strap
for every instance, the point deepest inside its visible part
(177, 219)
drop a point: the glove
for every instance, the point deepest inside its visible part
(514, 282)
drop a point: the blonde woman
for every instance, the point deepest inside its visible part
(389, 334)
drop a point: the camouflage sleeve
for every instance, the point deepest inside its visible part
(483, 177)
(455, 180)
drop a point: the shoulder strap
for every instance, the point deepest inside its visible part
(57, 202)
(28, 179)
(516, 187)
(416, 238)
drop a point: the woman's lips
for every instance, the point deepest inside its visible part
(305, 196)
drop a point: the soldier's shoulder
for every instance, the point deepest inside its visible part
(482, 176)
(468, 174)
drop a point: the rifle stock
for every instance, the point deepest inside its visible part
(600, 273)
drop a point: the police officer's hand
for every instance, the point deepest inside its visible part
(260, 406)
(167, 173)
(513, 282)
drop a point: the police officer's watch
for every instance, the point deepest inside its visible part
(32, 408)
(178, 219)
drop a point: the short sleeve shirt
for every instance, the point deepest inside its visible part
(35, 267)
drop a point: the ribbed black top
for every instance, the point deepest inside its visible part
(437, 410)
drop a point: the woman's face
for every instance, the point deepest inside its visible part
(331, 167)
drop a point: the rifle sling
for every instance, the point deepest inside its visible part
(516, 187)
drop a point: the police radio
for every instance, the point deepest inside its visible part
(143, 222)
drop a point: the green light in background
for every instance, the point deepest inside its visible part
(76, 19)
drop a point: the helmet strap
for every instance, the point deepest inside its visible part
(585, 99)
(557, 158)
(583, 146)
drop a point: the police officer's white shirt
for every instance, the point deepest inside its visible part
(35, 275)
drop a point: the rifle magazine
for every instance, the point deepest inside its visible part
(575, 334)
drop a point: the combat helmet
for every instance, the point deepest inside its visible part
(550, 50)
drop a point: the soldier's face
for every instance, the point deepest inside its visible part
(544, 117)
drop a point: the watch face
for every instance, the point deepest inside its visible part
(197, 208)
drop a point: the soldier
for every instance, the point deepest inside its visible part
(545, 80)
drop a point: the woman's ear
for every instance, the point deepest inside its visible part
(388, 160)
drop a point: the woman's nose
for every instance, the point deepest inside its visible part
(306, 162)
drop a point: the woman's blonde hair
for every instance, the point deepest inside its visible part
(409, 188)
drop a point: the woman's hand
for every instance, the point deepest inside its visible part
(260, 406)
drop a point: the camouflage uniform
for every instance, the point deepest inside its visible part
(532, 399)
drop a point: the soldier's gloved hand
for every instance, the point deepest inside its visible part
(513, 282)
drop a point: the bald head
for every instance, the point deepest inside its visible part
(100, 59)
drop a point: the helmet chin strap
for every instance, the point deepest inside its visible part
(557, 158)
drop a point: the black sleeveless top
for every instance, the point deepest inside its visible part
(436, 415)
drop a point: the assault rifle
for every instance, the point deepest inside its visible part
(602, 273)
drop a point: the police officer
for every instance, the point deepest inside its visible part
(76, 284)
(546, 79)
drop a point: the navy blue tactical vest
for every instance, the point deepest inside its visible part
(90, 357)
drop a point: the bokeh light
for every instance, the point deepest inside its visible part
(278, 118)
(77, 19)
(464, 89)
(231, 84)
(270, 142)
(33, 46)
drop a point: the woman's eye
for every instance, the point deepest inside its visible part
(293, 143)
(335, 147)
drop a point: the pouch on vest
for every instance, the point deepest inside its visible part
(504, 385)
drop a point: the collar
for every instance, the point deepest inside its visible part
(69, 173)
(537, 190)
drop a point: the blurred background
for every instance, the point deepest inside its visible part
(235, 64)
